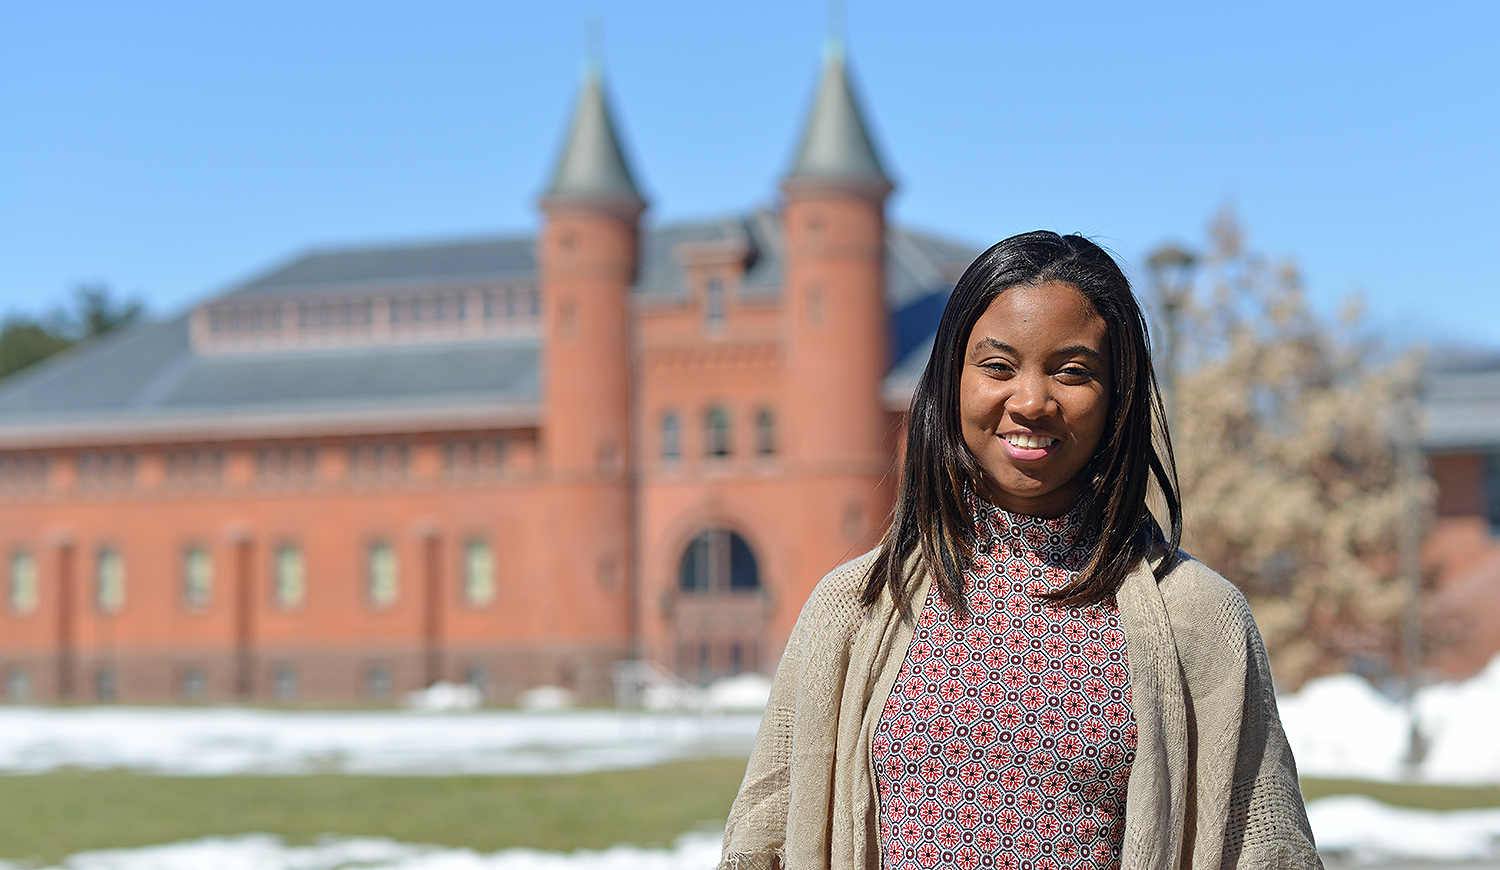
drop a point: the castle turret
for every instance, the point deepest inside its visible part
(839, 433)
(834, 224)
(587, 259)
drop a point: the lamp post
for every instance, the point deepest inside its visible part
(1171, 268)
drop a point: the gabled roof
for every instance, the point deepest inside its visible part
(592, 164)
(836, 143)
(149, 379)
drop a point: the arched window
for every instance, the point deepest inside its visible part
(383, 582)
(716, 561)
(716, 426)
(765, 433)
(671, 436)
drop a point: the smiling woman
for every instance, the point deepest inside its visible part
(1026, 671)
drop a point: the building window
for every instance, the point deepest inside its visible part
(815, 304)
(716, 426)
(474, 458)
(289, 580)
(765, 433)
(23, 593)
(718, 560)
(283, 466)
(378, 683)
(479, 574)
(197, 577)
(194, 684)
(375, 463)
(109, 580)
(23, 473)
(105, 470)
(671, 436)
(18, 684)
(713, 303)
(1492, 491)
(284, 684)
(382, 580)
(106, 687)
(478, 676)
(199, 467)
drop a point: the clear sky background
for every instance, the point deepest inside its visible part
(171, 149)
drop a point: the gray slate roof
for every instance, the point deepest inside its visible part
(1461, 410)
(150, 377)
(836, 143)
(322, 272)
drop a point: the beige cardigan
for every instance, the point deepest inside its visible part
(1213, 783)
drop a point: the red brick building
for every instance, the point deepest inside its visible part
(1461, 435)
(510, 461)
(517, 461)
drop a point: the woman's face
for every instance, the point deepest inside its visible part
(1034, 397)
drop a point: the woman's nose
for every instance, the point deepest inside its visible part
(1031, 396)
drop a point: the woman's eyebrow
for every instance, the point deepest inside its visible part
(1070, 350)
(994, 344)
(1080, 350)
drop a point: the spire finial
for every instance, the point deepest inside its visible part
(593, 47)
(834, 46)
(836, 144)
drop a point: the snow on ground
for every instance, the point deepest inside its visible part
(698, 851)
(1338, 727)
(221, 741)
(1341, 727)
(1354, 830)
(1365, 831)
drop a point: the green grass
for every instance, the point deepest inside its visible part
(1422, 797)
(53, 815)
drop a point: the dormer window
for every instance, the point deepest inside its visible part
(713, 303)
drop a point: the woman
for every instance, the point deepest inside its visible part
(1026, 672)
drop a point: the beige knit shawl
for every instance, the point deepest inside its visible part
(1213, 783)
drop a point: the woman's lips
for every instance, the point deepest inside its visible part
(1027, 447)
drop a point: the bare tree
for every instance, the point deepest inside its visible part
(1287, 431)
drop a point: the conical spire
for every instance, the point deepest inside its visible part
(592, 165)
(836, 144)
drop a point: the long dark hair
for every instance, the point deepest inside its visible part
(932, 520)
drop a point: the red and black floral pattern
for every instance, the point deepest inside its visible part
(1008, 736)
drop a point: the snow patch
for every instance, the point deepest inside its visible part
(1365, 831)
(1340, 727)
(226, 741)
(694, 851)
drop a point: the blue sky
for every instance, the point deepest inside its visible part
(171, 149)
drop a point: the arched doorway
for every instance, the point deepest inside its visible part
(719, 614)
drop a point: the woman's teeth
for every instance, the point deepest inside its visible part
(1030, 442)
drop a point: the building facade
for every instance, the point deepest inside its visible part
(509, 462)
(1461, 437)
(519, 461)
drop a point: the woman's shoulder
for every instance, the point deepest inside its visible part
(1200, 600)
(841, 590)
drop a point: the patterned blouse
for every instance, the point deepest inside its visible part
(1008, 736)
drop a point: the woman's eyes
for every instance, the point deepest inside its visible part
(1069, 374)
